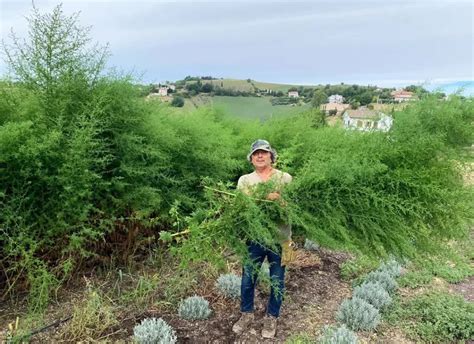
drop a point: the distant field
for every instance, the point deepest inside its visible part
(275, 87)
(254, 107)
(244, 107)
(244, 85)
(231, 84)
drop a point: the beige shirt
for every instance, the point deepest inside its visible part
(248, 181)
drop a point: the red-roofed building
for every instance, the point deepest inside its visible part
(402, 96)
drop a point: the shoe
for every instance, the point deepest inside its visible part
(269, 326)
(244, 321)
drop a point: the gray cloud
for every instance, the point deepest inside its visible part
(306, 42)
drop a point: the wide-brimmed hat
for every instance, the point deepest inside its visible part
(262, 145)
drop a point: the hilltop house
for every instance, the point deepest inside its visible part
(336, 98)
(366, 120)
(402, 96)
(163, 91)
(293, 94)
(329, 108)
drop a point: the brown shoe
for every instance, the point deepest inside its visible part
(269, 326)
(243, 323)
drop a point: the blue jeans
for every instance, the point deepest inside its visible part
(257, 254)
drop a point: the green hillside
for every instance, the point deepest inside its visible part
(244, 107)
(248, 85)
(254, 107)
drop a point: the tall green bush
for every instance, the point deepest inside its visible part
(82, 155)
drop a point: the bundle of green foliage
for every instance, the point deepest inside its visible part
(373, 293)
(358, 314)
(194, 308)
(339, 335)
(153, 331)
(231, 220)
(229, 285)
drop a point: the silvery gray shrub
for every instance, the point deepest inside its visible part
(194, 308)
(392, 267)
(310, 245)
(358, 314)
(373, 293)
(229, 285)
(340, 335)
(154, 331)
(384, 278)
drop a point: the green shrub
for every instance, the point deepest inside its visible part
(154, 331)
(373, 293)
(436, 317)
(355, 268)
(358, 314)
(194, 308)
(177, 101)
(340, 335)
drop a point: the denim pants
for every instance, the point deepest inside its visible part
(249, 279)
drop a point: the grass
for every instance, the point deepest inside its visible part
(243, 107)
(452, 264)
(244, 85)
(254, 107)
(232, 84)
(435, 317)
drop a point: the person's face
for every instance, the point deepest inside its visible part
(261, 159)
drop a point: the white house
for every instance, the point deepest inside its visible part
(367, 120)
(293, 94)
(336, 98)
(163, 91)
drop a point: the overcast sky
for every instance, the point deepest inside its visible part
(387, 43)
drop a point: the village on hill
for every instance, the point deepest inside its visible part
(354, 106)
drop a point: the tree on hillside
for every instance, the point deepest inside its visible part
(319, 97)
(207, 88)
(177, 101)
(364, 98)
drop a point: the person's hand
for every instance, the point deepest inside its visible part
(272, 196)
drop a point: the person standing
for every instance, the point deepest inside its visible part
(262, 156)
